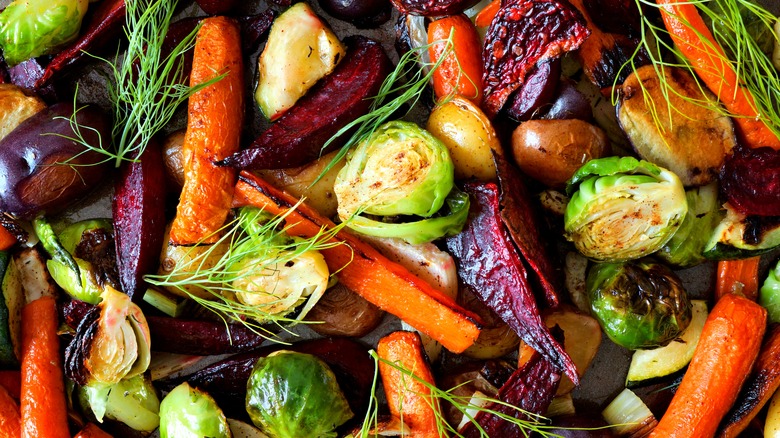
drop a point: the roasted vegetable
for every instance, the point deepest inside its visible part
(16, 107)
(291, 395)
(460, 70)
(31, 28)
(739, 236)
(433, 7)
(187, 412)
(342, 312)
(673, 123)
(361, 13)
(537, 91)
(639, 304)
(622, 208)
(301, 49)
(545, 28)
(749, 181)
(686, 247)
(112, 342)
(175, 260)
(56, 169)
(629, 415)
(769, 295)
(132, 401)
(581, 340)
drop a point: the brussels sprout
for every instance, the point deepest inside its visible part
(623, 208)
(187, 412)
(686, 247)
(293, 395)
(130, 401)
(30, 28)
(638, 304)
(401, 169)
(769, 295)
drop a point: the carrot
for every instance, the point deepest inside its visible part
(11, 381)
(696, 43)
(92, 431)
(10, 420)
(486, 15)
(364, 270)
(44, 411)
(407, 397)
(7, 239)
(738, 276)
(215, 119)
(461, 71)
(729, 344)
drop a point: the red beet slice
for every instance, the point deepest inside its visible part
(751, 181)
(433, 8)
(537, 91)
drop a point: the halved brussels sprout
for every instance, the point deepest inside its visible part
(769, 295)
(686, 247)
(293, 395)
(638, 304)
(30, 28)
(130, 401)
(401, 169)
(187, 412)
(622, 208)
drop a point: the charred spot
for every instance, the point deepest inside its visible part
(756, 227)
(79, 348)
(289, 264)
(97, 247)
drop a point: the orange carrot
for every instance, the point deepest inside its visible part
(11, 381)
(407, 397)
(486, 15)
(738, 276)
(215, 118)
(364, 270)
(728, 346)
(461, 71)
(44, 411)
(7, 239)
(695, 41)
(10, 420)
(92, 431)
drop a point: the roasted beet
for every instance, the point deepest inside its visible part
(297, 136)
(42, 171)
(254, 29)
(217, 7)
(569, 103)
(544, 29)
(28, 75)
(362, 13)
(433, 8)
(139, 219)
(751, 181)
(536, 92)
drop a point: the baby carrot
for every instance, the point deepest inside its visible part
(10, 420)
(7, 239)
(486, 15)
(214, 120)
(461, 71)
(92, 431)
(728, 346)
(738, 276)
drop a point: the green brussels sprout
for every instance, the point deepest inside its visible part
(30, 28)
(293, 395)
(686, 247)
(622, 208)
(131, 401)
(769, 295)
(638, 304)
(187, 412)
(401, 169)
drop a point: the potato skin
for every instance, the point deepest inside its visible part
(469, 136)
(15, 107)
(550, 151)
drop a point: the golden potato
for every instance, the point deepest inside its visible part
(15, 107)
(174, 164)
(469, 136)
(550, 151)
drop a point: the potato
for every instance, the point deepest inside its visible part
(469, 136)
(15, 107)
(550, 151)
(296, 181)
(187, 259)
(693, 142)
(174, 164)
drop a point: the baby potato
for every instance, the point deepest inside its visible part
(16, 107)
(469, 136)
(550, 151)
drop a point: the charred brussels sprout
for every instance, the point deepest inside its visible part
(622, 208)
(769, 295)
(292, 395)
(686, 247)
(130, 401)
(638, 304)
(400, 171)
(30, 28)
(187, 412)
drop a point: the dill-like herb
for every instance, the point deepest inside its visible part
(253, 235)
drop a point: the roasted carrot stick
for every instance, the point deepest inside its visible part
(10, 420)
(461, 71)
(738, 276)
(11, 381)
(364, 270)
(695, 41)
(407, 397)
(44, 411)
(486, 15)
(7, 239)
(92, 431)
(723, 358)
(214, 121)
